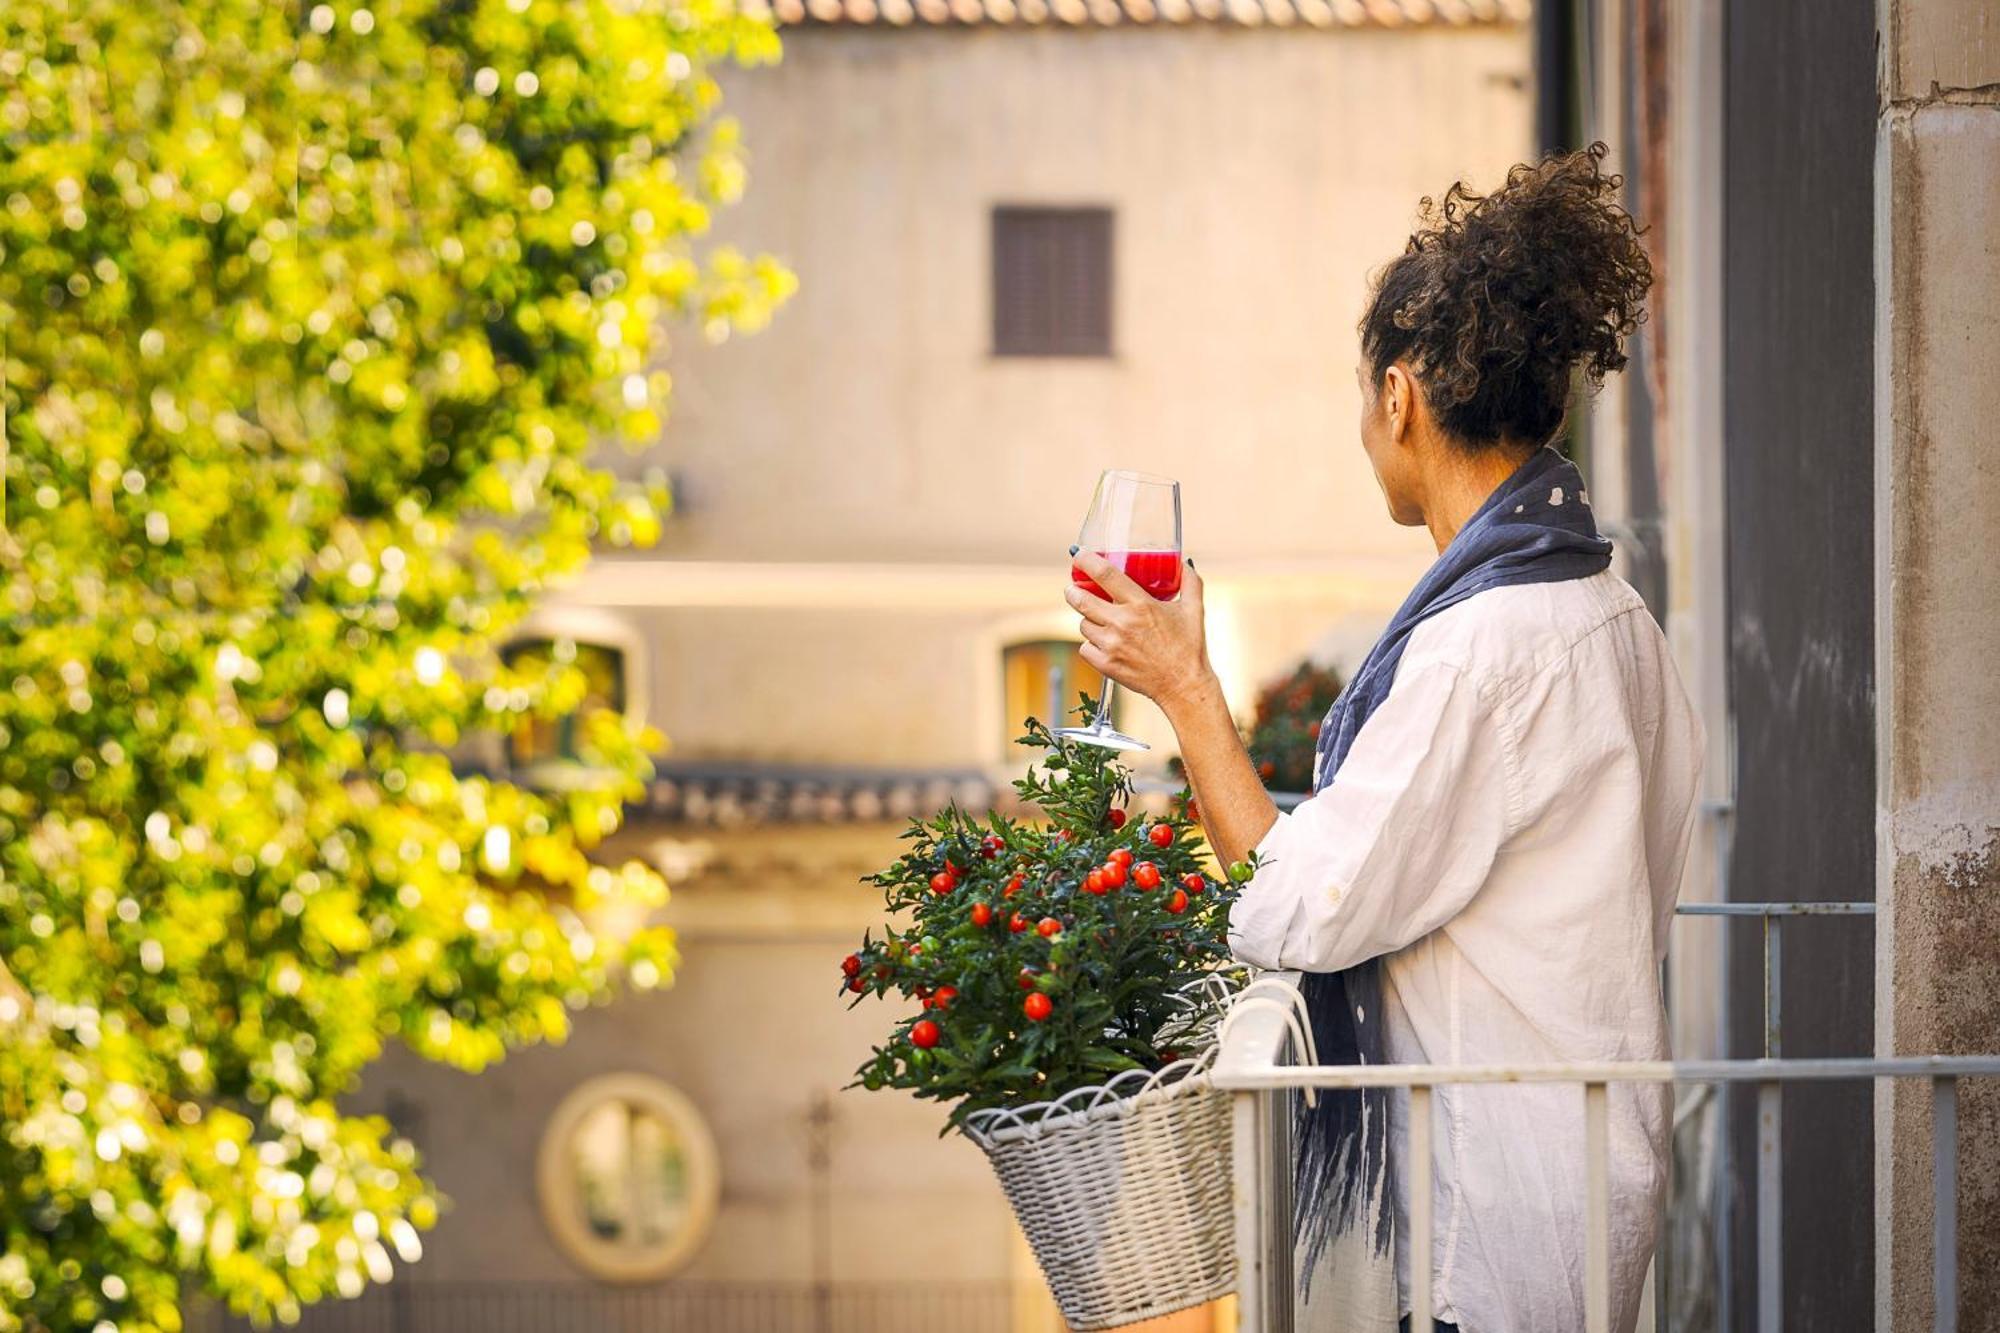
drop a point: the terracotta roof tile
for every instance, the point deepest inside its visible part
(1109, 13)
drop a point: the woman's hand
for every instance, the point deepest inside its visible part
(1158, 648)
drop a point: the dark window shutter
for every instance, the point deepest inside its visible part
(1051, 281)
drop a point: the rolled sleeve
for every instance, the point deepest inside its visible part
(1395, 846)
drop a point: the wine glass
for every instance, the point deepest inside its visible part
(1135, 523)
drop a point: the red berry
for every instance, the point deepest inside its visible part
(1162, 835)
(921, 992)
(1048, 927)
(1193, 811)
(1145, 875)
(1017, 923)
(990, 845)
(851, 965)
(1120, 857)
(856, 984)
(1025, 978)
(924, 1034)
(1193, 883)
(1094, 882)
(1013, 887)
(1178, 902)
(1037, 1006)
(1116, 819)
(1114, 875)
(982, 914)
(945, 995)
(942, 883)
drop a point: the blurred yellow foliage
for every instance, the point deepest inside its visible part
(310, 317)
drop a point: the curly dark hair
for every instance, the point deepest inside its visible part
(1498, 298)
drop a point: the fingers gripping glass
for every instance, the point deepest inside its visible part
(1135, 523)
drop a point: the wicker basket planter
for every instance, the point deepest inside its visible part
(1124, 1189)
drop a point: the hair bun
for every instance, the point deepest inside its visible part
(1499, 298)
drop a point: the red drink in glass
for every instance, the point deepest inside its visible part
(1134, 522)
(1158, 572)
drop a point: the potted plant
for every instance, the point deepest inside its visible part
(1067, 975)
(1284, 732)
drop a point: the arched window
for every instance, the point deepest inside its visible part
(541, 741)
(1042, 678)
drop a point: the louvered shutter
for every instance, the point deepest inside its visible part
(1051, 281)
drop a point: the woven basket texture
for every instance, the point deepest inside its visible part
(1123, 1192)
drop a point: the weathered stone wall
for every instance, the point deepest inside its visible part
(1938, 631)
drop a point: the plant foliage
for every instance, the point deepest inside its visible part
(310, 314)
(1284, 731)
(1000, 916)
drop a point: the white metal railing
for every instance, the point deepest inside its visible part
(1252, 1066)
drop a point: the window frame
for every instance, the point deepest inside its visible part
(565, 754)
(1008, 647)
(583, 626)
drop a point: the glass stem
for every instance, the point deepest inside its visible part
(1103, 722)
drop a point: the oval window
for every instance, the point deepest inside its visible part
(628, 1177)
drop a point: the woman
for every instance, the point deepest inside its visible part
(1504, 792)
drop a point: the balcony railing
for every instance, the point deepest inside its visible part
(1255, 1066)
(412, 1305)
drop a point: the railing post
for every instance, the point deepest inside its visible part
(1281, 1282)
(1774, 999)
(1253, 1045)
(1420, 1208)
(1944, 1202)
(1261, 1149)
(1250, 1172)
(1770, 1210)
(1597, 1211)
(1770, 1142)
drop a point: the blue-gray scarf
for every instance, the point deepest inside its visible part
(1536, 528)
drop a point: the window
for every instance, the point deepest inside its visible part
(1052, 282)
(1042, 679)
(543, 741)
(628, 1177)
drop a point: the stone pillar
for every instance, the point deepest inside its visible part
(1937, 593)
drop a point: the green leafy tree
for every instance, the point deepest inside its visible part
(1043, 957)
(310, 318)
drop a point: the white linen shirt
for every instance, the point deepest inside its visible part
(1508, 831)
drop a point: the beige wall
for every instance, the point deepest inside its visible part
(1258, 177)
(918, 494)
